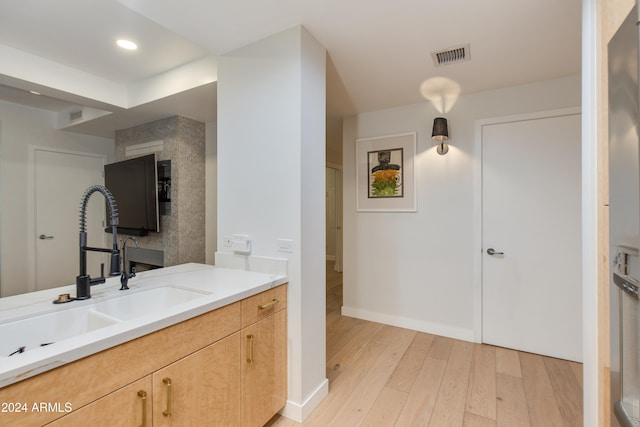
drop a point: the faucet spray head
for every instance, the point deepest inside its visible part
(114, 268)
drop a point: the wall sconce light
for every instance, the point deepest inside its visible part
(440, 133)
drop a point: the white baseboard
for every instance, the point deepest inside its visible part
(299, 412)
(408, 323)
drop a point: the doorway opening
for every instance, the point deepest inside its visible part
(333, 203)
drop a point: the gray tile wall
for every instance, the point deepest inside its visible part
(182, 233)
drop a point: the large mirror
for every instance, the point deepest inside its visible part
(65, 89)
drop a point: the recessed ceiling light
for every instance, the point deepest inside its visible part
(127, 44)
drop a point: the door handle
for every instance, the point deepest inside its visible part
(492, 251)
(44, 237)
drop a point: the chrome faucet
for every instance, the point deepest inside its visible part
(124, 277)
(83, 280)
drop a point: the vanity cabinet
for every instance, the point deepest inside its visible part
(187, 392)
(192, 373)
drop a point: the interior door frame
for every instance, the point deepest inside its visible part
(31, 202)
(477, 200)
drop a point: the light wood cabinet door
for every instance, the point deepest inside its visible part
(128, 406)
(264, 372)
(203, 389)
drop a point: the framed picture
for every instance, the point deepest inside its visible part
(385, 173)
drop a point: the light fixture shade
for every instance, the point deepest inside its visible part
(440, 129)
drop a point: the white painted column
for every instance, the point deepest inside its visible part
(271, 159)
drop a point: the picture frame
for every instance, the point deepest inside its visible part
(385, 173)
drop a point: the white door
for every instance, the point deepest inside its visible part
(531, 222)
(60, 181)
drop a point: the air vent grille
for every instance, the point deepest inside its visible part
(451, 55)
(75, 115)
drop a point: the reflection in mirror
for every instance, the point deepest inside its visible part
(60, 138)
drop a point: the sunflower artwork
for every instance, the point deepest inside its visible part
(385, 179)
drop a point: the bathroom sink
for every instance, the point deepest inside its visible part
(144, 302)
(26, 334)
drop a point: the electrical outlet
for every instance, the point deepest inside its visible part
(241, 244)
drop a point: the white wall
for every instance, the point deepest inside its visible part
(417, 270)
(271, 151)
(20, 128)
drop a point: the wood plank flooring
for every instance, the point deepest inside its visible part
(382, 375)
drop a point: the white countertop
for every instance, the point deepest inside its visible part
(223, 286)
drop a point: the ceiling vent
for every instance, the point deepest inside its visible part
(451, 55)
(75, 115)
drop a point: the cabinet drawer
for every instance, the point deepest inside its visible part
(263, 305)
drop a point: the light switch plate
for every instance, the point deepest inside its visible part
(285, 245)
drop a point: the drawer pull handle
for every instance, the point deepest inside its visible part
(167, 382)
(250, 358)
(143, 397)
(269, 304)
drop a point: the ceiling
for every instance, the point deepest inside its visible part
(379, 51)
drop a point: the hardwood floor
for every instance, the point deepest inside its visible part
(382, 375)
